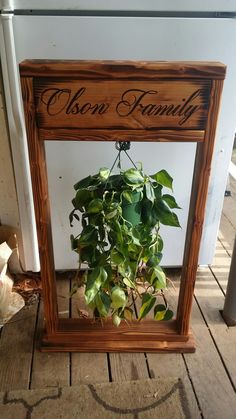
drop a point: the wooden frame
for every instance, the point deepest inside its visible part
(138, 101)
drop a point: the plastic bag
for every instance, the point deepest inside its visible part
(10, 302)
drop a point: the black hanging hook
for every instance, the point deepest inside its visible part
(122, 145)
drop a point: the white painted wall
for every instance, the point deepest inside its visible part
(9, 214)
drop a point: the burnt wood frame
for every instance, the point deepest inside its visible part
(148, 335)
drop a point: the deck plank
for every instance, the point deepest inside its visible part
(173, 365)
(211, 383)
(87, 367)
(52, 369)
(221, 265)
(128, 366)
(224, 337)
(226, 234)
(229, 208)
(16, 347)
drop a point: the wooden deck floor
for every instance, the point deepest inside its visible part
(209, 374)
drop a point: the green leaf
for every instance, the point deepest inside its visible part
(175, 222)
(160, 243)
(135, 235)
(133, 177)
(128, 196)
(103, 303)
(82, 197)
(148, 302)
(159, 312)
(124, 269)
(170, 200)
(157, 190)
(117, 231)
(118, 298)
(94, 281)
(169, 315)
(150, 194)
(154, 259)
(87, 254)
(116, 319)
(73, 215)
(111, 214)
(88, 236)
(95, 206)
(114, 182)
(149, 213)
(116, 257)
(84, 183)
(165, 215)
(104, 173)
(163, 178)
(74, 242)
(158, 277)
(128, 282)
(112, 210)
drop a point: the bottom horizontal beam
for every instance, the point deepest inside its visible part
(147, 336)
(59, 345)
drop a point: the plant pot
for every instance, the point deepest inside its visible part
(132, 211)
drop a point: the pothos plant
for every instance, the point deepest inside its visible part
(120, 241)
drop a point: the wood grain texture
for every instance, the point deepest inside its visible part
(16, 347)
(140, 105)
(127, 70)
(202, 174)
(230, 207)
(221, 266)
(86, 367)
(205, 367)
(89, 368)
(211, 300)
(51, 370)
(227, 234)
(173, 365)
(210, 380)
(144, 328)
(121, 135)
(128, 366)
(41, 206)
(86, 336)
(64, 342)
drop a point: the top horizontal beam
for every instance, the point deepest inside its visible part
(126, 70)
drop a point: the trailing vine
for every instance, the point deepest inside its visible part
(120, 241)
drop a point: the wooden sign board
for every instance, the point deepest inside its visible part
(122, 104)
(112, 101)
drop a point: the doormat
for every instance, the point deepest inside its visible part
(152, 398)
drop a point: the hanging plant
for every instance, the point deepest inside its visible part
(120, 241)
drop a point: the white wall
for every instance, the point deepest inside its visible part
(9, 214)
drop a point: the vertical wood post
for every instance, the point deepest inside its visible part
(197, 211)
(42, 208)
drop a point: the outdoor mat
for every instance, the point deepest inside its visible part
(152, 398)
